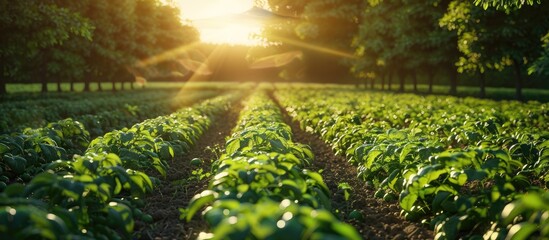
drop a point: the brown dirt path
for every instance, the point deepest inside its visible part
(177, 189)
(381, 219)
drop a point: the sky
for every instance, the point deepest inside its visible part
(216, 20)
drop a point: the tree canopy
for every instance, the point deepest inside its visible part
(88, 40)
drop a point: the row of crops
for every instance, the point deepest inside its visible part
(99, 112)
(467, 168)
(261, 188)
(98, 192)
(25, 153)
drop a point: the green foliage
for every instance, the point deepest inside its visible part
(403, 37)
(95, 195)
(506, 4)
(456, 163)
(260, 187)
(62, 40)
(30, 28)
(541, 65)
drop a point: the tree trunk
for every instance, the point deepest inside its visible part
(87, 84)
(453, 82)
(372, 83)
(518, 83)
(72, 86)
(122, 86)
(431, 78)
(131, 86)
(113, 86)
(99, 87)
(44, 81)
(3, 90)
(414, 79)
(59, 86)
(383, 78)
(402, 78)
(389, 81)
(482, 85)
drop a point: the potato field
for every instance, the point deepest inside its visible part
(272, 161)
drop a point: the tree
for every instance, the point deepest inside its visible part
(28, 28)
(375, 35)
(495, 39)
(403, 37)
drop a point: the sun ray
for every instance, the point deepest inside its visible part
(313, 47)
(169, 55)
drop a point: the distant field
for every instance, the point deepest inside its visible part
(496, 93)
(79, 87)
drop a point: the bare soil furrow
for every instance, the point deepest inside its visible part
(180, 185)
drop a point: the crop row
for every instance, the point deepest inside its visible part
(261, 188)
(466, 167)
(97, 195)
(36, 113)
(23, 155)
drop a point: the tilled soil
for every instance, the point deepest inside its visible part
(180, 185)
(381, 220)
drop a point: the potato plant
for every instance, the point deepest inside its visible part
(18, 115)
(23, 154)
(454, 163)
(261, 188)
(97, 195)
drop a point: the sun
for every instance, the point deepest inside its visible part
(221, 21)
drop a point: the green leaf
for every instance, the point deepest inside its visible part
(405, 151)
(510, 211)
(451, 227)
(72, 189)
(4, 148)
(372, 155)
(15, 163)
(439, 200)
(318, 179)
(407, 200)
(51, 153)
(521, 231)
(126, 137)
(233, 146)
(534, 201)
(166, 152)
(198, 201)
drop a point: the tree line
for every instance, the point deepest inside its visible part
(87, 40)
(402, 40)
